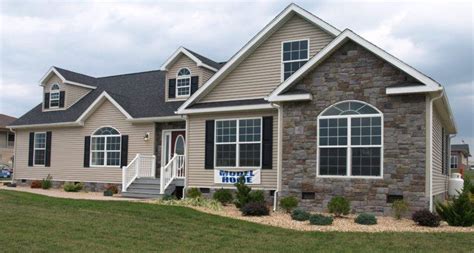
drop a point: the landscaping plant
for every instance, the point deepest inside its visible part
(300, 215)
(399, 208)
(257, 196)
(224, 196)
(36, 184)
(366, 219)
(459, 212)
(112, 188)
(426, 218)
(255, 209)
(319, 219)
(339, 206)
(194, 193)
(288, 203)
(242, 194)
(47, 183)
(73, 187)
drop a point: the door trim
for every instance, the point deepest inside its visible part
(163, 132)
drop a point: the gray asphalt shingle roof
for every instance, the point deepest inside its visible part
(462, 148)
(207, 61)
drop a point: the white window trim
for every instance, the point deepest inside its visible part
(35, 148)
(182, 78)
(282, 67)
(349, 147)
(237, 143)
(456, 162)
(51, 92)
(105, 148)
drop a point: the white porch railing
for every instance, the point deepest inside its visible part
(174, 169)
(140, 166)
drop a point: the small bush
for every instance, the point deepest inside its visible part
(426, 218)
(73, 187)
(194, 193)
(300, 215)
(224, 196)
(242, 194)
(36, 184)
(318, 219)
(255, 209)
(257, 196)
(47, 183)
(339, 206)
(399, 208)
(288, 203)
(112, 188)
(460, 212)
(108, 193)
(366, 219)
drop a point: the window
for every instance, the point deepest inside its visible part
(39, 149)
(350, 141)
(294, 55)
(179, 145)
(54, 96)
(183, 83)
(238, 143)
(454, 162)
(105, 147)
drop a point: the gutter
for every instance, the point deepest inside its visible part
(279, 158)
(431, 147)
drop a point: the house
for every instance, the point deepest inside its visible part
(7, 139)
(460, 158)
(302, 109)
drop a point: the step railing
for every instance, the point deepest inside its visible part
(140, 166)
(174, 169)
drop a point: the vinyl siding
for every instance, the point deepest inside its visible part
(73, 92)
(67, 148)
(260, 73)
(200, 177)
(439, 180)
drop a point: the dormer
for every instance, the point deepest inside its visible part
(60, 93)
(186, 71)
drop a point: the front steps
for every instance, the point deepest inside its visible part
(149, 188)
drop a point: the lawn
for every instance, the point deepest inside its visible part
(32, 223)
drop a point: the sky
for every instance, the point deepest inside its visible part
(101, 38)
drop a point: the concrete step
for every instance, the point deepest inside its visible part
(144, 180)
(140, 195)
(145, 191)
(134, 186)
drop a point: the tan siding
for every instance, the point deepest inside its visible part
(200, 177)
(260, 73)
(73, 92)
(67, 148)
(439, 180)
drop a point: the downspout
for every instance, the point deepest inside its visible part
(279, 156)
(431, 147)
(14, 154)
(186, 167)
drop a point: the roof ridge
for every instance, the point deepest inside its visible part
(56, 67)
(127, 74)
(200, 55)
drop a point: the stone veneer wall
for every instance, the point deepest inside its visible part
(353, 73)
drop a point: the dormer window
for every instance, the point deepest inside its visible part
(54, 96)
(183, 83)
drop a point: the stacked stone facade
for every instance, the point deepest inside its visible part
(353, 73)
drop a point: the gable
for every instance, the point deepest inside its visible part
(258, 74)
(105, 112)
(72, 92)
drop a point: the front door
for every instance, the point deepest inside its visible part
(174, 142)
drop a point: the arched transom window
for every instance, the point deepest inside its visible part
(350, 141)
(183, 83)
(54, 96)
(105, 147)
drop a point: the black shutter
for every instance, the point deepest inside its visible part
(47, 159)
(62, 95)
(87, 149)
(31, 149)
(124, 151)
(209, 149)
(267, 141)
(172, 88)
(194, 84)
(46, 101)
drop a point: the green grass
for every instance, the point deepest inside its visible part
(34, 223)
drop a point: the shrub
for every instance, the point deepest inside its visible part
(242, 194)
(224, 196)
(300, 215)
(46, 183)
(426, 218)
(108, 193)
(194, 193)
(36, 184)
(288, 203)
(399, 208)
(73, 187)
(112, 188)
(318, 219)
(257, 196)
(366, 219)
(339, 206)
(460, 212)
(255, 209)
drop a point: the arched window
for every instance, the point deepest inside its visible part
(183, 83)
(105, 147)
(54, 96)
(350, 141)
(179, 145)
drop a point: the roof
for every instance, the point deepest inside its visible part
(229, 103)
(206, 60)
(6, 120)
(464, 148)
(200, 60)
(77, 77)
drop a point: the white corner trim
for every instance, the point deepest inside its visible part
(182, 50)
(99, 99)
(60, 124)
(255, 42)
(410, 89)
(53, 70)
(227, 109)
(157, 119)
(296, 97)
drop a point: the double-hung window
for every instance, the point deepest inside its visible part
(54, 96)
(454, 162)
(105, 147)
(350, 141)
(238, 143)
(39, 149)
(183, 83)
(295, 54)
